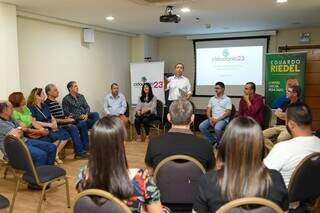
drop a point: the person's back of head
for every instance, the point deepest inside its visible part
(107, 165)
(240, 168)
(299, 120)
(16, 98)
(181, 112)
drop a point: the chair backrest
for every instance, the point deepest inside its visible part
(177, 178)
(233, 112)
(234, 206)
(267, 115)
(84, 203)
(19, 156)
(127, 113)
(160, 110)
(304, 182)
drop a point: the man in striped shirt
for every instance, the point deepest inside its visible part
(77, 130)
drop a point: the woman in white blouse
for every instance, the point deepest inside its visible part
(146, 111)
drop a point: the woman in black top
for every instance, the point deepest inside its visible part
(240, 171)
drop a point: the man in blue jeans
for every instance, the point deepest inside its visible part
(77, 130)
(218, 113)
(75, 105)
(42, 152)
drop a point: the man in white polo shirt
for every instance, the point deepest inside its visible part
(218, 113)
(178, 85)
(286, 155)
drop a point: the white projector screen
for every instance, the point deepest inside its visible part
(232, 61)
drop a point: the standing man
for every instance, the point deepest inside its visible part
(218, 113)
(75, 105)
(251, 104)
(178, 85)
(78, 131)
(115, 103)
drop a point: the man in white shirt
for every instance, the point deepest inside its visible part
(286, 155)
(178, 85)
(218, 113)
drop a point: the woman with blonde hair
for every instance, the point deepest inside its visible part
(240, 171)
(41, 113)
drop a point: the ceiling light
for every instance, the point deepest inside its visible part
(185, 9)
(282, 1)
(110, 18)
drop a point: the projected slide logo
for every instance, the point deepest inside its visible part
(231, 65)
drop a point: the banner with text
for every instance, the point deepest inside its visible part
(151, 72)
(279, 68)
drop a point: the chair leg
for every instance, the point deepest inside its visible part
(67, 191)
(42, 196)
(5, 172)
(15, 194)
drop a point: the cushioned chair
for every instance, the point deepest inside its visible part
(177, 178)
(6, 166)
(304, 185)
(4, 202)
(158, 122)
(234, 206)
(21, 162)
(85, 204)
(267, 115)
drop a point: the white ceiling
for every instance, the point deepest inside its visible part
(223, 15)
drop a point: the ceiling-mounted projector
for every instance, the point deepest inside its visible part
(169, 16)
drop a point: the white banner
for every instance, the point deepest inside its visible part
(151, 72)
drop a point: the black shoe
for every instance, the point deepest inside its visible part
(83, 155)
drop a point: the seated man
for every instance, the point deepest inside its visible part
(42, 152)
(115, 103)
(286, 155)
(180, 139)
(280, 130)
(75, 105)
(280, 101)
(218, 112)
(78, 131)
(251, 104)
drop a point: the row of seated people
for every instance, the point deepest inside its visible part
(240, 170)
(45, 126)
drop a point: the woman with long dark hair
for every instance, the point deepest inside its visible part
(146, 111)
(107, 169)
(240, 171)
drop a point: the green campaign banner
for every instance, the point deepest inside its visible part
(280, 68)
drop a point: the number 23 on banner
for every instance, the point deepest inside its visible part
(158, 84)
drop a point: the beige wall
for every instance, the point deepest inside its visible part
(143, 46)
(9, 62)
(179, 49)
(51, 53)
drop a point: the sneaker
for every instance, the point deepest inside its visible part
(138, 139)
(58, 161)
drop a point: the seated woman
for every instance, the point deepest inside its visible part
(146, 110)
(240, 171)
(107, 169)
(23, 116)
(42, 114)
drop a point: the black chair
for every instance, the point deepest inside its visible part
(21, 162)
(4, 202)
(158, 122)
(267, 115)
(234, 206)
(111, 204)
(304, 185)
(177, 178)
